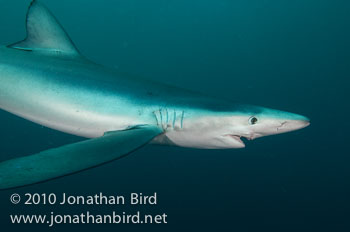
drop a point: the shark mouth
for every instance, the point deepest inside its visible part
(237, 138)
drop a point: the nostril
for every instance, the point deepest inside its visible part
(282, 124)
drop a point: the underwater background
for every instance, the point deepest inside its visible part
(288, 55)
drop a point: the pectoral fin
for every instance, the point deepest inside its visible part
(75, 157)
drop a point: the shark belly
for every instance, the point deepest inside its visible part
(49, 100)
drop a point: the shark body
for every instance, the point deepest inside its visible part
(46, 80)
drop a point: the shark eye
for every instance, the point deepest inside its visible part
(252, 120)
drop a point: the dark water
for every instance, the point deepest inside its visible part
(289, 55)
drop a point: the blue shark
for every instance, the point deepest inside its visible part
(45, 79)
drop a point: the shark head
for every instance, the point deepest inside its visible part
(251, 125)
(223, 130)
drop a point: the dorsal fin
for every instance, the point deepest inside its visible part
(44, 33)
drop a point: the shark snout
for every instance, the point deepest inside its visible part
(292, 125)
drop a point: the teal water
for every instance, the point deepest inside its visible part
(288, 55)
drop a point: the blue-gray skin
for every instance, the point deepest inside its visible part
(45, 79)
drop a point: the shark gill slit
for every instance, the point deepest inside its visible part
(182, 118)
(174, 119)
